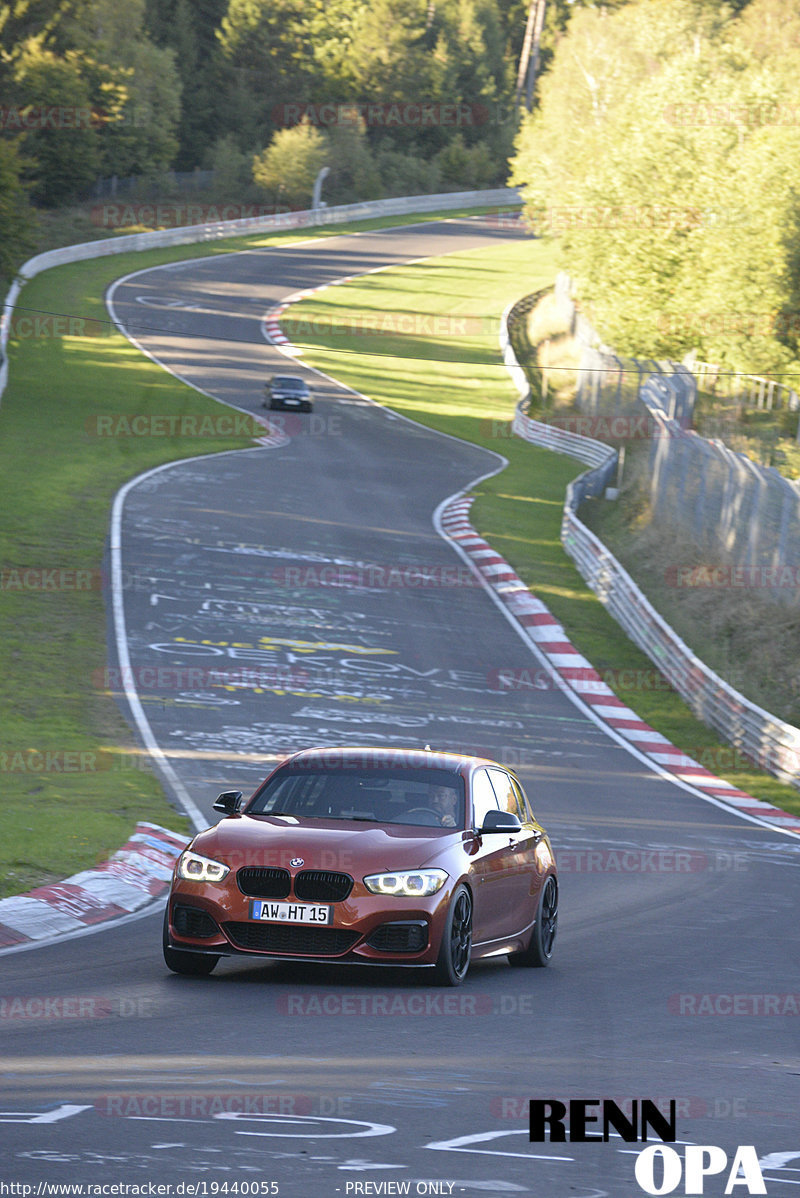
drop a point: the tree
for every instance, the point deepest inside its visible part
(63, 151)
(145, 140)
(189, 29)
(354, 171)
(268, 56)
(671, 191)
(233, 170)
(288, 167)
(21, 21)
(16, 218)
(465, 168)
(139, 93)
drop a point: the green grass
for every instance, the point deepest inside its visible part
(56, 488)
(454, 381)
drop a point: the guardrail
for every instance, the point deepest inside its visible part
(396, 206)
(768, 741)
(750, 390)
(549, 436)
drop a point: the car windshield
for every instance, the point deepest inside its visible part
(419, 797)
(289, 384)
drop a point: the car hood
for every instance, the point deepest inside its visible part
(343, 845)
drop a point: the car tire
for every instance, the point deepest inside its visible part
(196, 965)
(454, 952)
(539, 952)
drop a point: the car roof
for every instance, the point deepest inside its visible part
(370, 757)
(280, 380)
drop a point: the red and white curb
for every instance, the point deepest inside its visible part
(272, 329)
(274, 437)
(542, 629)
(136, 874)
(271, 322)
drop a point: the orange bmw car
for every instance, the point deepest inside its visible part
(369, 856)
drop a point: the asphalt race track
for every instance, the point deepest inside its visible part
(258, 618)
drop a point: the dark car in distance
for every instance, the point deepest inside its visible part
(287, 391)
(369, 856)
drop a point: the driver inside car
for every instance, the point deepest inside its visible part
(444, 801)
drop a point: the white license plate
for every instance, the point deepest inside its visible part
(261, 909)
(292, 403)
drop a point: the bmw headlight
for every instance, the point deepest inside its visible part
(416, 883)
(194, 868)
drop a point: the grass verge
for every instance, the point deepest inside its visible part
(744, 633)
(446, 372)
(72, 781)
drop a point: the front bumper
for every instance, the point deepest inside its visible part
(283, 403)
(366, 929)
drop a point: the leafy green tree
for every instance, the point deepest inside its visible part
(770, 31)
(289, 166)
(189, 29)
(407, 174)
(63, 149)
(19, 22)
(672, 193)
(16, 218)
(267, 52)
(133, 82)
(354, 171)
(144, 140)
(465, 168)
(388, 59)
(233, 170)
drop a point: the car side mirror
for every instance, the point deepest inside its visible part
(228, 802)
(500, 821)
